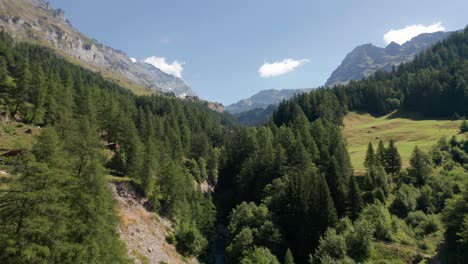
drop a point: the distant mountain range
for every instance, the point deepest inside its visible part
(362, 62)
(37, 21)
(263, 99)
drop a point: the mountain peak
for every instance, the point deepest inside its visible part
(36, 20)
(366, 59)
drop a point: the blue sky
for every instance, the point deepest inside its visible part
(219, 46)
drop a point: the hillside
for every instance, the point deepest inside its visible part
(36, 21)
(360, 129)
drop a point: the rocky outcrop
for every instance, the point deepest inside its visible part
(366, 59)
(36, 20)
(143, 232)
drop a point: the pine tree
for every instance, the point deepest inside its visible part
(288, 257)
(38, 94)
(420, 166)
(337, 186)
(148, 172)
(95, 226)
(354, 202)
(392, 159)
(23, 86)
(35, 214)
(370, 159)
(380, 154)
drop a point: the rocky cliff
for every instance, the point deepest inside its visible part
(37, 21)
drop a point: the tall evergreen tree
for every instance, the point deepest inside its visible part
(38, 95)
(288, 257)
(23, 85)
(354, 202)
(392, 159)
(370, 159)
(380, 154)
(420, 166)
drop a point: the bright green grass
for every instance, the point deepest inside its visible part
(360, 129)
(13, 136)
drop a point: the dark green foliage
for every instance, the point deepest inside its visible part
(354, 201)
(370, 159)
(454, 217)
(76, 222)
(259, 255)
(392, 162)
(380, 155)
(464, 126)
(288, 257)
(190, 241)
(420, 168)
(405, 200)
(250, 226)
(318, 104)
(379, 216)
(40, 88)
(346, 244)
(331, 245)
(359, 240)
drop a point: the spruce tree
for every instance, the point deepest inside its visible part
(38, 94)
(380, 154)
(369, 161)
(288, 257)
(420, 166)
(23, 86)
(392, 159)
(354, 202)
(35, 214)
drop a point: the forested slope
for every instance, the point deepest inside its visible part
(285, 191)
(57, 208)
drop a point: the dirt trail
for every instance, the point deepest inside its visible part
(143, 232)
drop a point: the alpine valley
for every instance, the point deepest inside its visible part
(106, 159)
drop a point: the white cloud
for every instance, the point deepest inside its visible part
(175, 68)
(402, 35)
(280, 67)
(133, 60)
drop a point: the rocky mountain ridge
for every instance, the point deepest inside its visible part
(37, 21)
(366, 59)
(263, 99)
(360, 63)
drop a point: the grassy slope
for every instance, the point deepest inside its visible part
(13, 135)
(360, 129)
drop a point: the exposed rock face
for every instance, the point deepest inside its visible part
(35, 19)
(263, 99)
(366, 59)
(143, 232)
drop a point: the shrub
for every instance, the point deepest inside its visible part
(190, 241)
